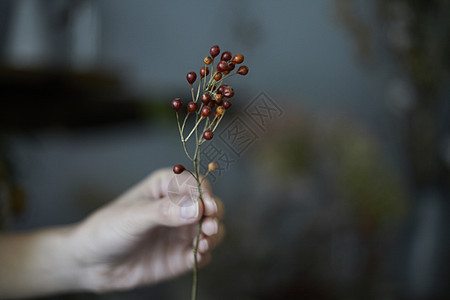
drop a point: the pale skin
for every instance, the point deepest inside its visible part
(143, 237)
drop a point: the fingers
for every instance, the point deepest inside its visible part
(202, 259)
(208, 243)
(209, 239)
(213, 206)
(210, 226)
(171, 185)
(212, 234)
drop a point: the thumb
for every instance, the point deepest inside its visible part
(173, 211)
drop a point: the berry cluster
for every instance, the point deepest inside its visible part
(208, 107)
(212, 98)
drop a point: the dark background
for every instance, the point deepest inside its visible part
(341, 194)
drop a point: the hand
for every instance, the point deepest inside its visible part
(147, 235)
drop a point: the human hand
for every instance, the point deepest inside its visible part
(147, 234)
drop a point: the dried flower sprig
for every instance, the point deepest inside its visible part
(209, 104)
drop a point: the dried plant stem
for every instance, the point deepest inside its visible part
(199, 226)
(193, 129)
(207, 91)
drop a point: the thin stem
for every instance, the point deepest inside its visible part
(185, 149)
(210, 82)
(197, 238)
(220, 119)
(204, 177)
(179, 128)
(183, 141)
(198, 90)
(193, 175)
(184, 123)
(204, 81)
(228, 76)
(193, 129)
(206, 124)
(192, 92)
(195, 270)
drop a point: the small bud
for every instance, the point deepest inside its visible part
(220, 110)
(207, 60)
(212, 166)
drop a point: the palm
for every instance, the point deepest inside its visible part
(161, 254)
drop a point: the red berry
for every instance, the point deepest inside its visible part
(214, 51)
(191, 77)
(226, 56)
(177, 104)
(206, 111)
(204, 72)
(228, 92)
(207, 60)
(192, 107)
(211, 104)
(238, 59)
(221, 88)
(178, 169)
(243, 70)
(205, 98)
(222, 66)
(231, 66)
(208, 134)
(226, 104)
(218, 76)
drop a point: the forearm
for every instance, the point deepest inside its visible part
(37, 263)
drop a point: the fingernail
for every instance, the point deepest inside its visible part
(214, 204)
(189, 212)
(211, 203)
(216, 226)
(203, 245)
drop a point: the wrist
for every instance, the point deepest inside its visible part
(38, 263)
(56, 256)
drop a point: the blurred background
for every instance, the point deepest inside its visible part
(341, 188)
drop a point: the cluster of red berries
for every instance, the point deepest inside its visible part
(214, 96)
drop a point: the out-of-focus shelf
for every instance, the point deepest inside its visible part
(33, 99)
